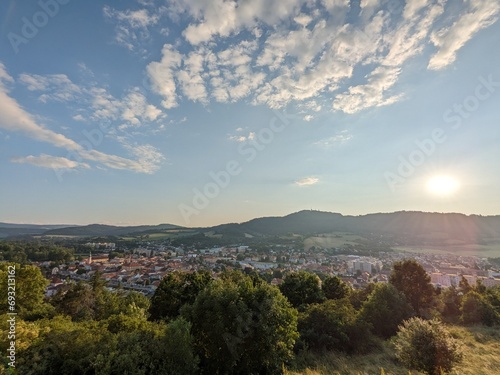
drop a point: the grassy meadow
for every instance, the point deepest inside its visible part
(481, 346)
(331, 240)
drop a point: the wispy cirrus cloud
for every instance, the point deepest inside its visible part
(53, 162)
(340, 138)
(132, 26)
(479, 15)
(14, 118)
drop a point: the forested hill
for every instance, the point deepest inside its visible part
(414, 226)
(108, 230)
(440, 226)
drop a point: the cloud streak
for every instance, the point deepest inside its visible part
(53, 162)
(14, 118)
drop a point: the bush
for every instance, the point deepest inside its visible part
(427, 346)
(385, 309)
(477, 309)
(334, 325)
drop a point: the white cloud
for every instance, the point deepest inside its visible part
(14, 118)
(340, 138)
(401, 44)
(4, 76)
(242, 138)
(135, 109)
(190, 78)
(275, 52)
(47, 161)
(56, 87)
(131, 25)
(308, 181)
(224, 18)
(412, 7)
(147, 163)
(373, 94)
(481, 14)
(161, 75)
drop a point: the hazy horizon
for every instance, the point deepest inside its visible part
(203, 113)
(239, 222)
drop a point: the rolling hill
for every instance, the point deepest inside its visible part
(409, 227)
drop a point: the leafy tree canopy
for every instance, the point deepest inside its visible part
(410, 278)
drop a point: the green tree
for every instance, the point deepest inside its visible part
(302, 288)
(67, 347)
(242, 327)
(427, 346)
(410, 278)
(358, 296)
(464, 286)
(175, 290)
(334, 288)
(476, 308)
(178, 349)
(333, 325)
(29, 284)
(451, 299)
(77, 300)
(151, 348)
(385, 309)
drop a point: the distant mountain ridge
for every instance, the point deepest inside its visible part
(107, 230)
(408, 224)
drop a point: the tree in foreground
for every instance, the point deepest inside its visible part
(302, 288)
(334, 288)
(242, 327)
(475, 308)
(426, 345)
(334, 325)
(410, 278)
(175, 290)
(385, 309)
(29, 285)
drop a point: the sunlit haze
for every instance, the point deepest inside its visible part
(197, 113)
(443, 185)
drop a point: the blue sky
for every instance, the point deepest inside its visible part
(204, 112)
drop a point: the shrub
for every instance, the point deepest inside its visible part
(333, 325)
(427, 346)
(385, 309)
(477, 309)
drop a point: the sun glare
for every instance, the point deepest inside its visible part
(442, 185)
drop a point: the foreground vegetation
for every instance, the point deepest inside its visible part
(236, 323)
(481, 357)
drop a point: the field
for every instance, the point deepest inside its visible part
(331, 240)
(170, 233)
(483, 251)
(481, 357)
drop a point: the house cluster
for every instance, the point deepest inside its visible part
(143, 267)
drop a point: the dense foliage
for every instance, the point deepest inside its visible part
(22, 251)
(426, 345)
(233, 323)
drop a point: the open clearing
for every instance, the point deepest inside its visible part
(331, 240)
(482, 251)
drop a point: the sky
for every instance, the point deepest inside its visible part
(198, 113)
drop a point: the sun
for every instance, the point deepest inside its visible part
(442, 185)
